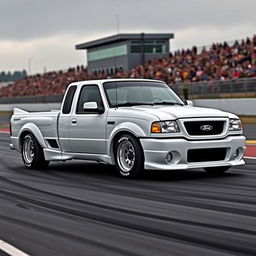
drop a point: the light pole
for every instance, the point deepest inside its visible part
(29, 65)
(117, 23)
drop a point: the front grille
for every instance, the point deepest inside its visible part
(206, 154)
(197, 128)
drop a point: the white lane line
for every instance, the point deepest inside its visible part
(11, 250)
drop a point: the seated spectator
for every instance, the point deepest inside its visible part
(220, 62)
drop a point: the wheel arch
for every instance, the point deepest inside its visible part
(130, 129)
(34, 130)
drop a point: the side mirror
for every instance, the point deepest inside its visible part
(90, 106)
(93, 107)
(189, 103)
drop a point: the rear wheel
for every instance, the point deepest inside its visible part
(129, 157)
(217, 170)
(32, 153)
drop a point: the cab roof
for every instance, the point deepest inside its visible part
(101, 81)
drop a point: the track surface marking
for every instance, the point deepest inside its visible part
(11, 250)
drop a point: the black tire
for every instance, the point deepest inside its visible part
(217, 170)
(129, 157)
(32, 153)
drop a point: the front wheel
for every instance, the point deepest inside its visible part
(32, 153)
(129, 157)
(216, 170)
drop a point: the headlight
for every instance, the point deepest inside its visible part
(235, 125)
(165, 127)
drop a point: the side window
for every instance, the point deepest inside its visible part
(89, 93)
(68, 100)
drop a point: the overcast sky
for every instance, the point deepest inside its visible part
(46, 31)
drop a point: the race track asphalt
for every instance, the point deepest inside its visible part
(84, 208)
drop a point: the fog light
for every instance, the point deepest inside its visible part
(169, 158)
(239, 153)
(236, 154)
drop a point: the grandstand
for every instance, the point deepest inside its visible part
(221, 62)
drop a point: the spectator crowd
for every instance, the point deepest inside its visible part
(221, 61)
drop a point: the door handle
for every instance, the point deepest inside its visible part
(74, 121)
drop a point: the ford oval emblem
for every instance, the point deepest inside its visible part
(206, 127)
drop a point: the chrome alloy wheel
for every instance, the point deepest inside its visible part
(28, 150)
(125, 156)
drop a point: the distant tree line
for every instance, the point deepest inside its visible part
(12, 76)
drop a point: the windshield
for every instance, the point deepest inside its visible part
(132, 93)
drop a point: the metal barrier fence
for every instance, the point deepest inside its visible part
(218, 89)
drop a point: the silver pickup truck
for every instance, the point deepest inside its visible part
(134, 124)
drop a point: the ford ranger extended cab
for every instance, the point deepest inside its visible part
(134, 124)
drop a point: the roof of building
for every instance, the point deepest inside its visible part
(123, 37)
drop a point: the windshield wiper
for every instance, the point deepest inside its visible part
(129, 104)
(168, 103)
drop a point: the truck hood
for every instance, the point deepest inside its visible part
(177, 112)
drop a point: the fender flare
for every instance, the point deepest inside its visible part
(32, 128)
(128, 127)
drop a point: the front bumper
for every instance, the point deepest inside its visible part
(155, 151)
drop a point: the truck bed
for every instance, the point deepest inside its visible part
(47, 122)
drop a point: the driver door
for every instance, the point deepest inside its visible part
(87, 129)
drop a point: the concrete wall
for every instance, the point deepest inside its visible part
(31, 106)
(237, 106)
(32, 99)
(242, 106)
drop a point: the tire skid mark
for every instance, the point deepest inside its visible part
(119, 210)
(188, 202)
(174, 190)
(69, 236)
(149, 229)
